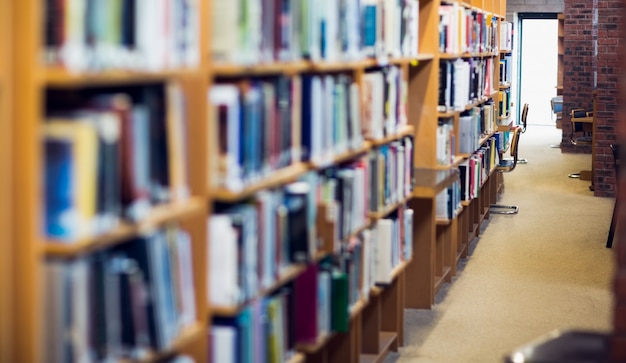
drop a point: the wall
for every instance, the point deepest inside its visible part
(532, 6)
(578, 66)
(610, 17)
(619, 317)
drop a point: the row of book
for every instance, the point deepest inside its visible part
(261, 125)
(504, 106)
(448, 202)
(506, 36)
(95, 35)
(318, 301)
(475, 170)
(463, 82)
(506, 69)
(124, 302)
(110, 155)
(464, 30)
(281, 227)
(445, 141)
(391, 174)
(475, 124)
(265, 31)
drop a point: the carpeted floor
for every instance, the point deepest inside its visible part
(543, 269)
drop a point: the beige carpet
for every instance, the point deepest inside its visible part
(546, 268)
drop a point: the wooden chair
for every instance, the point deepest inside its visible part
(507, 166)
(582, 123)
(523, 124)
(616, 164)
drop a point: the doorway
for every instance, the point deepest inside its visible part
(537, 66)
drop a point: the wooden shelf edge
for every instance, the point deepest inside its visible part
(189, 334)
(429, 182)
(58, 76)
(389, 209)
(289, 274)
(220, 69)
(277, 178)
(297, 358)
(440, 279)
(386, 340)
(158, 216)
(312, 348)
(407, 130)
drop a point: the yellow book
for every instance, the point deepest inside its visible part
(83, 136)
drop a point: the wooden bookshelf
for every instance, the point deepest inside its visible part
(375, 322)
(31, 81)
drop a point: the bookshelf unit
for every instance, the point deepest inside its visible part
(442, 242)
(38, 85)
(32, 88)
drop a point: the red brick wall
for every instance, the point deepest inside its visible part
(610, 20)
(578, 62)
(619, 317)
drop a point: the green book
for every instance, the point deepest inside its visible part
(340, 316)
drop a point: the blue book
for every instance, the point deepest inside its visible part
(59, 187)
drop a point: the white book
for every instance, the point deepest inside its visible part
(384, 232)
(224, 289)
(408, 234)
(223, 344)
(225, 170)
(225, 42)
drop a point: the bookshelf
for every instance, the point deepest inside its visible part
(188, 93)
(443, 241)
(38, 85)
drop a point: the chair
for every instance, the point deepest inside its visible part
(582, 135)
(507, 166)
(568, 346)
(616, 164)
(582, 122)
(524, 124)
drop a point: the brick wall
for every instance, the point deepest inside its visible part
(578, 62)
(619, 317)
(610, 19)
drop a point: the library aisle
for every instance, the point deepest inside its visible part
(528, 274)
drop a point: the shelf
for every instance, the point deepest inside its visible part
(356, 309)
(406, 131)
(388, 209)
(306, 66)
(297, 358)
(340, 158)
(440, 279)
(398, 269)
(359, 230)
(188, 336)
(233, 70)
(277, 178)
(232, 311)
(159, 215)
(60, 77)
(386, 341)
(429, 182)
(312, 348)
